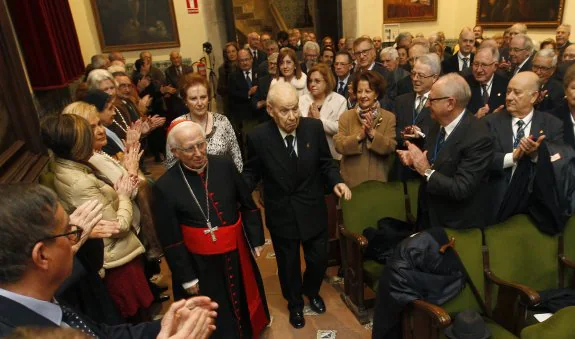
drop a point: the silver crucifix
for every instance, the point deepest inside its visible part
(211, 231)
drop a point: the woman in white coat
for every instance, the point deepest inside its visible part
(289, 71)
(323, 103)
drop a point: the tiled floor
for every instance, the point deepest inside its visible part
(337, 318)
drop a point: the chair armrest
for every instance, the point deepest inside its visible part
(437, 314)
(528, 296)
(567, 262)
(358, 239)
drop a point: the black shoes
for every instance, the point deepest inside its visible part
(316, 304)
(296, 319)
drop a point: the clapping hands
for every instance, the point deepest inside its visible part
(192, 318)
(86, 216)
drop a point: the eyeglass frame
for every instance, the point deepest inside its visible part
(197, 147)
(478, 65)
(364, 52)
(420, 76)
(431, 100)
(77, 232)
(542, 68)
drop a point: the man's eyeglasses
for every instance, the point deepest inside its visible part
(200, 146)
(536, 68)
(478, 65)
(430, 100)
(74, 235)
(515, 49)
(420, 75)
(364, 52)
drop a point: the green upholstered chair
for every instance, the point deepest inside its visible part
(425, 320)
(371, 201)
(567, 253)
(560, 326)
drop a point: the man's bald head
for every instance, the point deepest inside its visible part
(184, 131)
(569, 53)
(176, 58)
(522, 92)
(528, 80)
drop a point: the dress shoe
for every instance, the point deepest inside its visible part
(296, 319)
(316, 304)
(162, 298)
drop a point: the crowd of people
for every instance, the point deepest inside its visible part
(300, 119)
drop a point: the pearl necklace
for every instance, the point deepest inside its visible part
(123, 120)
(115, 161)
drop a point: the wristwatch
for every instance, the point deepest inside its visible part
(428, 172)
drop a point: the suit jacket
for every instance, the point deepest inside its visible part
(451, 64)
(14, 314)
(502, 133)
(345, 85)
(263, 68)
(387, 100)
(404, 86)
(454, 196)
(404, 113)
(525, 68)
(554, 97)
(172, 77)
(264, 83)
(295, 203)
(262, 56)
(563, 113)
(240, 101)
(399, 73)
(496, 97)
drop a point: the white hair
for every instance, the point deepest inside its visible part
(432, 60)
(527, 42)
(280, 89)
(548, 53)
(311, 45)
(184, 126)
(454, 85)
(391, 51)
(116, 68)
(97, 76)
(492, 50)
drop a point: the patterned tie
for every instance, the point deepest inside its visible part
(420, 104)
(441, 140)
(485, 95)
(520, 133)
(465, 63)
(249, 81)
(341, 89)
(74, 321)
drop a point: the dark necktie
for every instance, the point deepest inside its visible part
(255, 54)
(520, 133)
(248, 80)
(441, 140)
(74, 321)
(178, 71)
(341, 89)
(485, 94)
(291, 151)
(465, 63)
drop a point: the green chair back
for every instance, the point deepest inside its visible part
(559, 326)
(569, 248)
(520, 253)
(371, 201)
(413, 193)
(469, 247)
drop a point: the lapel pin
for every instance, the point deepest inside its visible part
(498, 94)
(307, 145)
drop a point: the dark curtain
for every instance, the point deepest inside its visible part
(49, 42)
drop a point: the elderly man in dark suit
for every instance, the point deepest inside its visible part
(461, 62)
(487, 87)
(521, 53)
(455, 161)
(255, 48)
(562, 34)
(565, 111)
(38, 241)
(291, 156)
(517, 133)
(405, 85)
(343, 66)
(551, 91)
(176, 69)
(242, 85)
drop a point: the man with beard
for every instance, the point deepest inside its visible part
(208, 223)
(311, 55)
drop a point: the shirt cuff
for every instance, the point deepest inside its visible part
(508, 160)
(429, 175)
(190, 284)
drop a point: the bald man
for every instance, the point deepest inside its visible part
(461, 62)
(517, 133)
(176, 69)
(453, 167)
(255, 48)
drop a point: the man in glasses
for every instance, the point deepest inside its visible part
(551, 92)
(517, 133)
(487, 86)
(343, 66)
(38, 244)
(521, 53)
(208, 225)
(458, 151)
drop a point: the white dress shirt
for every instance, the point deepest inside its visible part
(418, 98)
(489, 85)
(448, 130)
(521, 65)
(460, 58)
(508, 158)
(573, 121)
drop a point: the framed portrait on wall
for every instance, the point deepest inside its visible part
(533, 13)
(409, 10)
(135, 24)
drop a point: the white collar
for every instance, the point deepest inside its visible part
(527, 119)
(344, 79)
(284, 134)
(523, 63)
(425, 95)
(46, 309)
(371, 66)
(461, 56)
(572, 119)
(449, 128)
(490, 82)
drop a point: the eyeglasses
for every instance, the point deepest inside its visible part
(124, 86)
(536, 68)
(515, 49)
(74, 235)
(364, 52)
(430, 100)
(420, 75)
(200, 146)
(480, 65)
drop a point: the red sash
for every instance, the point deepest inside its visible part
(230, 238)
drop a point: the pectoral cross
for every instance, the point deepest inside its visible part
(211, 231)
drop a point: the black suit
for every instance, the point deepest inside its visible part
(555, 95)
(172, 77)
(295, 204)
(345, 85)
(563, 113)
(261, 57)
(404, 86)
(240, 101)
(264, 83)
(496, 96)
(525, 68)
(14, 314)
(454, 196)
(502, 132)
(451, 64)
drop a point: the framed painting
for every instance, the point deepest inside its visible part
(409, 10)
(533, 13)
(135, 24)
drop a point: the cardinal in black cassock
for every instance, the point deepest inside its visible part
(216, 258)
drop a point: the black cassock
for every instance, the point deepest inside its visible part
(221, 276)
